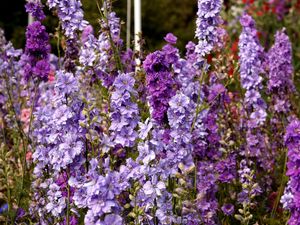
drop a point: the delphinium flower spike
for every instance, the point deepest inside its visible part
(70, 14)
(208, 30)
(35, 8)
(251, 62)
(291, 198)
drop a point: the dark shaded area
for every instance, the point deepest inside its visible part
(175, 16)
(13, 20)
(159, 18)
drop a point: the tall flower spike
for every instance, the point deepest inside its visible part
(60, 145)
(102, 54)
(208, 30)
(280, 86)
(35, 60)
(159, 80)
(281, 71)
(292, 141)
(251, 64)
(125, 114)
(70, 14)
(35, 8)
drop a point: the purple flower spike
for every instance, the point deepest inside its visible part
(70, 14)
(291, 198)
(160, 83)
(35, 8)
(35, 60)
(208, 23)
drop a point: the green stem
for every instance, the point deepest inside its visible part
(281, 188)
(114, 48)
(32, 108)
(198, 103)
(24, 169)
(195, 178)
(8, 195)
(24, 166)
(58, 46)
(68, 199)
(20, 129)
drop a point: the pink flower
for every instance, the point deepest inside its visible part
(25, 115)
(29, 156)
(51, 76)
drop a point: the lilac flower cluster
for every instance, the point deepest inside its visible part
(103, 55)
(70, 14)
(152, 175)
(251, 59)
(280, 85)
(208, 30)
(60, 144)
(281, 72)
(251, 64)
(35, 8)
(180, 148)
(98, 193)
(61, 118)
(251, 68)
(124, 112)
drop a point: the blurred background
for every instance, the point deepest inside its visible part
(177, 16)
(158, 16)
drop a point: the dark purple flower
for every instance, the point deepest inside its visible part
(124, 113)
(215, 91)
(37, 41)
(228, 209)
(160, 83)
(72, 221)
(42, 69)
(20, 213)
(171, 38)
(35, 60)
(226, 169)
